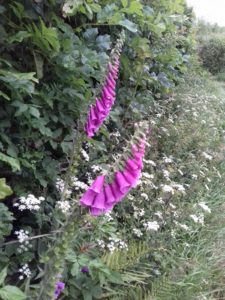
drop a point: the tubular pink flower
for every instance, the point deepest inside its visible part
(123, 184)
(101, 197)
(99, 201)
(100, 110)
(98, 184)
(110, 198)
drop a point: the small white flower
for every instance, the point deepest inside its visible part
(168, 189)
(144, 195)
(137, 232)
(85, 155)
(183, 226)
(194, 176)
(150, 162)
(151, 226)
(204, 207)
(168, 160)
(207, 156)
(64, 206)
(198, 218)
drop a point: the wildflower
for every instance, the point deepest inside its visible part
(204, 207)
(85, 270)
(183, 226)
(144, 195)
(151, 226)
(207, 156)
(29, 203)
(102, 196)
(63, 206)
(168, 189)
(100, 110)
(59, 287)
(137, 232)
(25, 272)
(198, 218)
(85, 154)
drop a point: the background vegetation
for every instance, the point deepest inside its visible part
(53, 57)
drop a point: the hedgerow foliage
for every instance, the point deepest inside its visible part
(53, 57)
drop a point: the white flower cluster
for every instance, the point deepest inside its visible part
(116, 243)
(204, 206)
(167, 189)
(113, 244)
(198, 218)
(207, 156)
(167, 160)
(137, 232)
(30, 202)
(78, 185)
(23, 237)
(64, 206)
(151, 226)
(138, 212)
(96, 168)
(60, 185)
(85, 155)
(25, 272)
(149, 162)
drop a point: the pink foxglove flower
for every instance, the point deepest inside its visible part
(102, 196)
(100, 110)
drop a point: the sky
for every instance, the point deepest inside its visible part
(212, 11)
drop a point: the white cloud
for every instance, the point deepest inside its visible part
(212, 11)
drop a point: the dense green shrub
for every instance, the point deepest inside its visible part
(212, 54)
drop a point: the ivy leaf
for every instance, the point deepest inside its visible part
(10, 292)
(13, 162)
(5, 190)
(3, 275)
(103, 42)
(91, 34)
(129, 25)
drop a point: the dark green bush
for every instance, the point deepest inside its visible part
(212, 54)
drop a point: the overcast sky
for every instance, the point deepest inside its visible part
(212, 11)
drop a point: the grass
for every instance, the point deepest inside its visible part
(195, 266)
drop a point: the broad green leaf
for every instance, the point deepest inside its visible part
(124, 3)
(34, 112)
(129, 25)
(103, 42)
(13, 162)
(3, 273)
(75, 269)
(5, 190)
(10, 292)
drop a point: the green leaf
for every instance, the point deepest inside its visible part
(129, 25)
(75, 269)
(19, 37)
(13, 162)
(10, 292)
(39, 63)
(34, 112)
(103, 42)
(5, 190)
(3, 273)
(4, 96)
